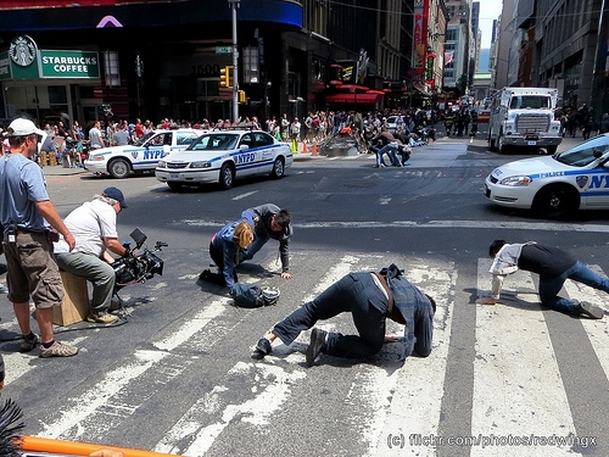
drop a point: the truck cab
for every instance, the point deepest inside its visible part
(524, 117)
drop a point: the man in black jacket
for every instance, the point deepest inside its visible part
(271, 222)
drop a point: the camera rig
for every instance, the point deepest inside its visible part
(139, 264)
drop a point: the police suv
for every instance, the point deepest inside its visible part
(558, 185)
(121, 161)
(223, 156)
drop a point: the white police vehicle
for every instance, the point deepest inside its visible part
(555, 186)
(223, 156)
(121, 161)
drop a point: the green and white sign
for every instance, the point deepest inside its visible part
(69, 64)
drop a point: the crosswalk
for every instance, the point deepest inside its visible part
(190, 388)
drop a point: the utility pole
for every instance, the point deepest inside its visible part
(234, 4)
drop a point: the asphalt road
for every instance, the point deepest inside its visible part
(176, 376)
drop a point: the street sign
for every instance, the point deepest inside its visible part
(223, 49)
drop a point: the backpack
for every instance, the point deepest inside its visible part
(253, 296)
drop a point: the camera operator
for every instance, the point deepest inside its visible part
(94, 226)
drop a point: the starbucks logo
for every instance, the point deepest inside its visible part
(22, 50)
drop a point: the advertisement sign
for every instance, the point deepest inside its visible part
(421, 16)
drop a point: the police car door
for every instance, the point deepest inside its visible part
(157, 147)
(594, 187)
(246, 158)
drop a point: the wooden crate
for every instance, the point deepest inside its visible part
(75, 306)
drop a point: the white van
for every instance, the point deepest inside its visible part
(524, 116)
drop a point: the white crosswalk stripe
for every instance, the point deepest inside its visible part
(519, 402)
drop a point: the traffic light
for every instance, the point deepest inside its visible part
(241, 96)
(225, 77)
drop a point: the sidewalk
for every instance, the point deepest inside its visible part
(58, 170)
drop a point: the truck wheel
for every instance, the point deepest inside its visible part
(491, 142)
(556, 201)
(119, 168)
(501, 147)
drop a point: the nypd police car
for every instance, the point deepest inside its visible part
(121, 161)
(223, 156)
(558, 185)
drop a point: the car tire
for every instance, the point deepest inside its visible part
(278, 168)
(227, 176)
(119, 168)
(556, 201)
(175, 186)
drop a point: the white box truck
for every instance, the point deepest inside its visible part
(524, 117)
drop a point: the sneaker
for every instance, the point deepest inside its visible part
(3, 290)
(29, 342)
(102, 318)
(263, 347)
(589, 310)
(316, 345)
(58, 349)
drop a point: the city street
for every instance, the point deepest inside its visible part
(175, 376)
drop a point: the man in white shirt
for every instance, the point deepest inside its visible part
(93, 224)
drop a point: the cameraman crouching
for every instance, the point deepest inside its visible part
(93, 224)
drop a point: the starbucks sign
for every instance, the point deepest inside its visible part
(22, 50)
(69, 64)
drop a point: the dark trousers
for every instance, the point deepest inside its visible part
(356, 293)
(218, 257)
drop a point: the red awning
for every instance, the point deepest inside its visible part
(354, 98)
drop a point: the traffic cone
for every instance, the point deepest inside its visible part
(294, 146)
(314, 147)
(305, 149)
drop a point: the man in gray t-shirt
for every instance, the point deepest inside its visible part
(95, 136)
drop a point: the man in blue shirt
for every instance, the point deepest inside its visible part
(370, 298)
(26, 212)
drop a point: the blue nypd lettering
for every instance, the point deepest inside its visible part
(599, 181)
(154, 154)
(245, 158)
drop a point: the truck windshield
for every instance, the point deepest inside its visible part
(530, 101)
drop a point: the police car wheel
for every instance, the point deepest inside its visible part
(278, 169)
(556, 201)
(119, 168)
(227, 176)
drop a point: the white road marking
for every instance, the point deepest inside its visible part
(518, 390)
(468, 224)
(245, 195)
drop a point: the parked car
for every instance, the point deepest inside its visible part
(223, 156)
(555, 186)
(121, 161)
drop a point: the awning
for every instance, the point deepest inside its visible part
(422, 89)
(354, 98)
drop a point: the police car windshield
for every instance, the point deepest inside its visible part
(215, 142)
(585, 153)
(142, 140)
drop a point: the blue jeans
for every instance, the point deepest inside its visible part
(356, 293)
(549, 288)
(392, 151)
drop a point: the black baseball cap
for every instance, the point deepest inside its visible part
(116, 194)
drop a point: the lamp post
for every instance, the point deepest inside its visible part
(234, 4)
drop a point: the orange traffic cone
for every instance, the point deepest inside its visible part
(314, 147)
(304, 147)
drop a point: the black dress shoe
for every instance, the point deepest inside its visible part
(204, 276)
(263, 347)
(316, 345)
